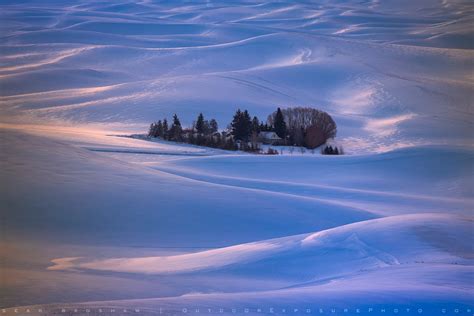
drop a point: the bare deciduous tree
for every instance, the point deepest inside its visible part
(301, 121)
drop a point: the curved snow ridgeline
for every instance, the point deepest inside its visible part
(389, 241)
(161, 225)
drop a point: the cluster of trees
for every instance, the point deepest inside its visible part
(205, 127)
(216, 140)
(298, 126)
(242, 126)
(244, 129)
(176, 131)
(161, 129)
(330, 150)
(203, 132)
(303, 126)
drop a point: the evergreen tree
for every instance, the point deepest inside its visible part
(246, 125)
(176, 131)
(241, 125)
(166, 132)
(200, 124)
(255, 125)
(156, 129)
(151, 130)
(207, 127)
(159, 129)
(328, 150)
(236, 125)
(213, 126)
(265, 127)
(279, 124)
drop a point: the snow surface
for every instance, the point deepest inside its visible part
(101, 220)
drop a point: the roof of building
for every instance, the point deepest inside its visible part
(269, 135)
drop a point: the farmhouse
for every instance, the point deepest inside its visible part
(269, 138)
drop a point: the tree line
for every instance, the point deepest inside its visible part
(202, 132)
(298, 126)
(330, 150)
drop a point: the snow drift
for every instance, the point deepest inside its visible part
(165, 225)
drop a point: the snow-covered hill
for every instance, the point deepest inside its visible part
(172, 226)
(376, 66)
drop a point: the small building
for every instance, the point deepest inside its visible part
(189, 133)
(270, 138)
(227, 135)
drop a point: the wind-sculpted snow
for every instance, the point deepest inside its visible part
(373, 66)
(367, 245)
(336, 264)
(148, 206)
(158, 224)
(312, 229)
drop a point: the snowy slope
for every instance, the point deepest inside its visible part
(360, 246)
(412, 257)
(143, 205)
(153, 224)
(102, 63)
(178, 210)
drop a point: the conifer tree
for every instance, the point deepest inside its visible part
(236, 125)
(213, 126)
(255, 125)
(159, 129)
(279, 124)
(241, 125)
(166, 131)
(176, 130)
(151, 130)
(207, 127)
(246, 125)
(200, 124)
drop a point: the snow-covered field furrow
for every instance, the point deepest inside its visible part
(379, 202)
(359, 81)
(147, 202)
(154, 224)
(361, 246)
(395, 284)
